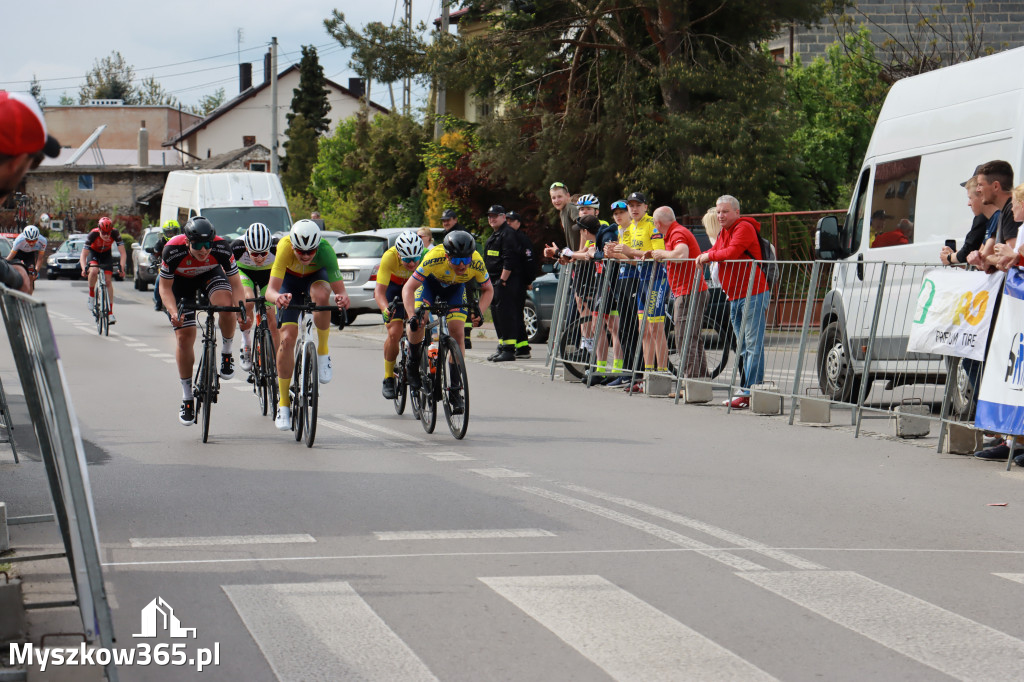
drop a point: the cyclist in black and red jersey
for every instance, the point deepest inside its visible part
(98, 250)
(196, 261)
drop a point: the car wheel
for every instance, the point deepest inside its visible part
(50, 274)
(140, 284)
(535, 331)
(836, 377)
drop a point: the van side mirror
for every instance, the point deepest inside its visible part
(826, 238)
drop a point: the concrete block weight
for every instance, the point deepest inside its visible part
(815, 411)
(909, 423)
(697, 392)
(764, 401)
(655, 384)
(962, 440)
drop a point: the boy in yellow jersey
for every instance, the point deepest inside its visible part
(305, 267)
(396, 266)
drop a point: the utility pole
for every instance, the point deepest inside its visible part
(407, 81)
(441, 94)
(273, 106)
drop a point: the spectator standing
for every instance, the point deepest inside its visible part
(427, 237)
(680, 244)
(736, 251)
(527, 274)
(504, 266)
(983, 216)
(995, 180)
(450, 222)
(594, 234)
(567, 214)
(622, 316)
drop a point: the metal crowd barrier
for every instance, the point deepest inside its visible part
(815, 350)
(41, 372)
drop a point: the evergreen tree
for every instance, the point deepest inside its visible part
(307, 121)
(297, 166)
(36, 90)
(110, 78)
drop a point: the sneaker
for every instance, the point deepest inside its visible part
(992, 442)
(999, 453)
(1019, 460)
(507, 355)
(92, 302)
(469, 343)
(227, 366)
(413, 375)
(617, 381)
(245, 360)
(740, 402)
(110, 319)
(323, 368)
(455, 400)
(390, 389)
(523, 352)
(187, 415)
(283, 421)
(638, 387)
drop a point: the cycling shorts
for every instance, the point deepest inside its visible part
(392, 291)
(651, 303)
(104, 259)
(298, 286)
(256, 280)
(186, 288)
(453, 294)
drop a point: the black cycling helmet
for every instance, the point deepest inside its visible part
(459, 244)
(199, 229)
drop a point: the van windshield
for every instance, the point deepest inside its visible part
(239, 218)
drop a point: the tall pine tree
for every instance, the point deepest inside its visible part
(307, 121)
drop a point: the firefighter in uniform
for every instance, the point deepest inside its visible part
(503, 258)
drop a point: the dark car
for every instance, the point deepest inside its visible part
(716, 331)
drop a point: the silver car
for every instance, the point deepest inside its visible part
(359, 257)
(147, 262)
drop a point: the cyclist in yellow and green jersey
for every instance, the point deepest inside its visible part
(396, 266)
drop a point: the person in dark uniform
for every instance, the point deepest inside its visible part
(526, 258)
(503, 259)
(450, 223)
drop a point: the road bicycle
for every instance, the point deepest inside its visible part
(305, 388)
(263, 371)
(401, 369)
(101, 302)
(206, 385)
(442, 374)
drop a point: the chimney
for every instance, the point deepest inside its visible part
(143, 146)
(357, 86)
(244, 76)
(266, 67)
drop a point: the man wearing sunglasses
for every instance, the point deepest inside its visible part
(255, 252)
(442, 276)
(305, 267)
(29, 249)
(396, 266)
(23, 140)
(197, 261)
(99, 250)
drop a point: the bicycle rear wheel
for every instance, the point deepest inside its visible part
(269, 370)
(257, 374)
(401, 387)
(428, 396)
(310, 393)
(570, 348)
(454, 387)
(210, 367)
(296, 391)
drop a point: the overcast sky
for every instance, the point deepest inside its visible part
(189, 46)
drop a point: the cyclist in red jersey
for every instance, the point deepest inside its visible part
(99, 250)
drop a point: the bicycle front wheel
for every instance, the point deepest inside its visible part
(257, 375)
(310, 393)
(575, 357)
(401, 387)
(209, 370)
(296, 391)
(269, 370)
(454, 387)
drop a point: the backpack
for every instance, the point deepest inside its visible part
(769, 266)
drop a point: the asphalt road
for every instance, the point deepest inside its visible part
(573, 535)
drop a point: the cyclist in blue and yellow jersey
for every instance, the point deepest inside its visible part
(305, 267)
(396, 266)
(254, 254)
(442, 276)
(652, 287)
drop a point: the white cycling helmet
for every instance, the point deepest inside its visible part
(305, 235)
(31, 233)
(409, 245)
(588, 200)
(257, 238)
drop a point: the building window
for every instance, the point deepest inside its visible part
(259, 166)
(483, 110)
(779, 55)
(85, 183)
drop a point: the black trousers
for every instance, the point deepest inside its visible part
(509, 299)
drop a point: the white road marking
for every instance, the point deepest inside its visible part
(950, 643)
(323, 631)
(172, 361)
(222, 540)
(499, 472)
(162, 356)
(380, 429)
(243, 389)
(720, 533)
(723, 556)
(1015, 577)
(449, 457)
(623, 635)
(464, 534)
(137, 345)
(345, 429)
(127, 338)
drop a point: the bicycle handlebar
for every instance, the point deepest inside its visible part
(207, 308)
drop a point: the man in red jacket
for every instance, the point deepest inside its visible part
(736, 251)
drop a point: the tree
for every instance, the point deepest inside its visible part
(208, 103)
(306, 122)
(298, 164)
(151, 92)
(110, 78)
(65, 99)
(36, 90)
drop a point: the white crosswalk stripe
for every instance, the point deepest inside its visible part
(1015, 577)
(950, 643)
(221, 540)
(464, 534)
(625, 636)
(323, 631)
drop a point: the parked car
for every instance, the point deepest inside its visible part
(147, 262)
(65, 261)
(5, 247)
(359, 257)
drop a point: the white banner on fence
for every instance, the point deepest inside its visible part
(954, 312)
(1001, 398)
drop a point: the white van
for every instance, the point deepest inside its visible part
(230, 199)
(933, 131)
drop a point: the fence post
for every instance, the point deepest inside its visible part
(865, 380)
(641, 328)
(558, 316)
(742, 335)
(698, 276)
(812, 291)
(951, 379)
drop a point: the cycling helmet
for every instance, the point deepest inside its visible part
(31, 233)
(305, 235)
(199, 229)
(105, 224)
(257, 238)
(588, 200)
(409, 245)
(171, 228)
(459, 244)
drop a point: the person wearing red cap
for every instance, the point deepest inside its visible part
(23, 139)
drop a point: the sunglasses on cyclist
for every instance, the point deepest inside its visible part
(259, 254)
(199, 246)
(304, 252)
(461, 261)
(411, 259)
